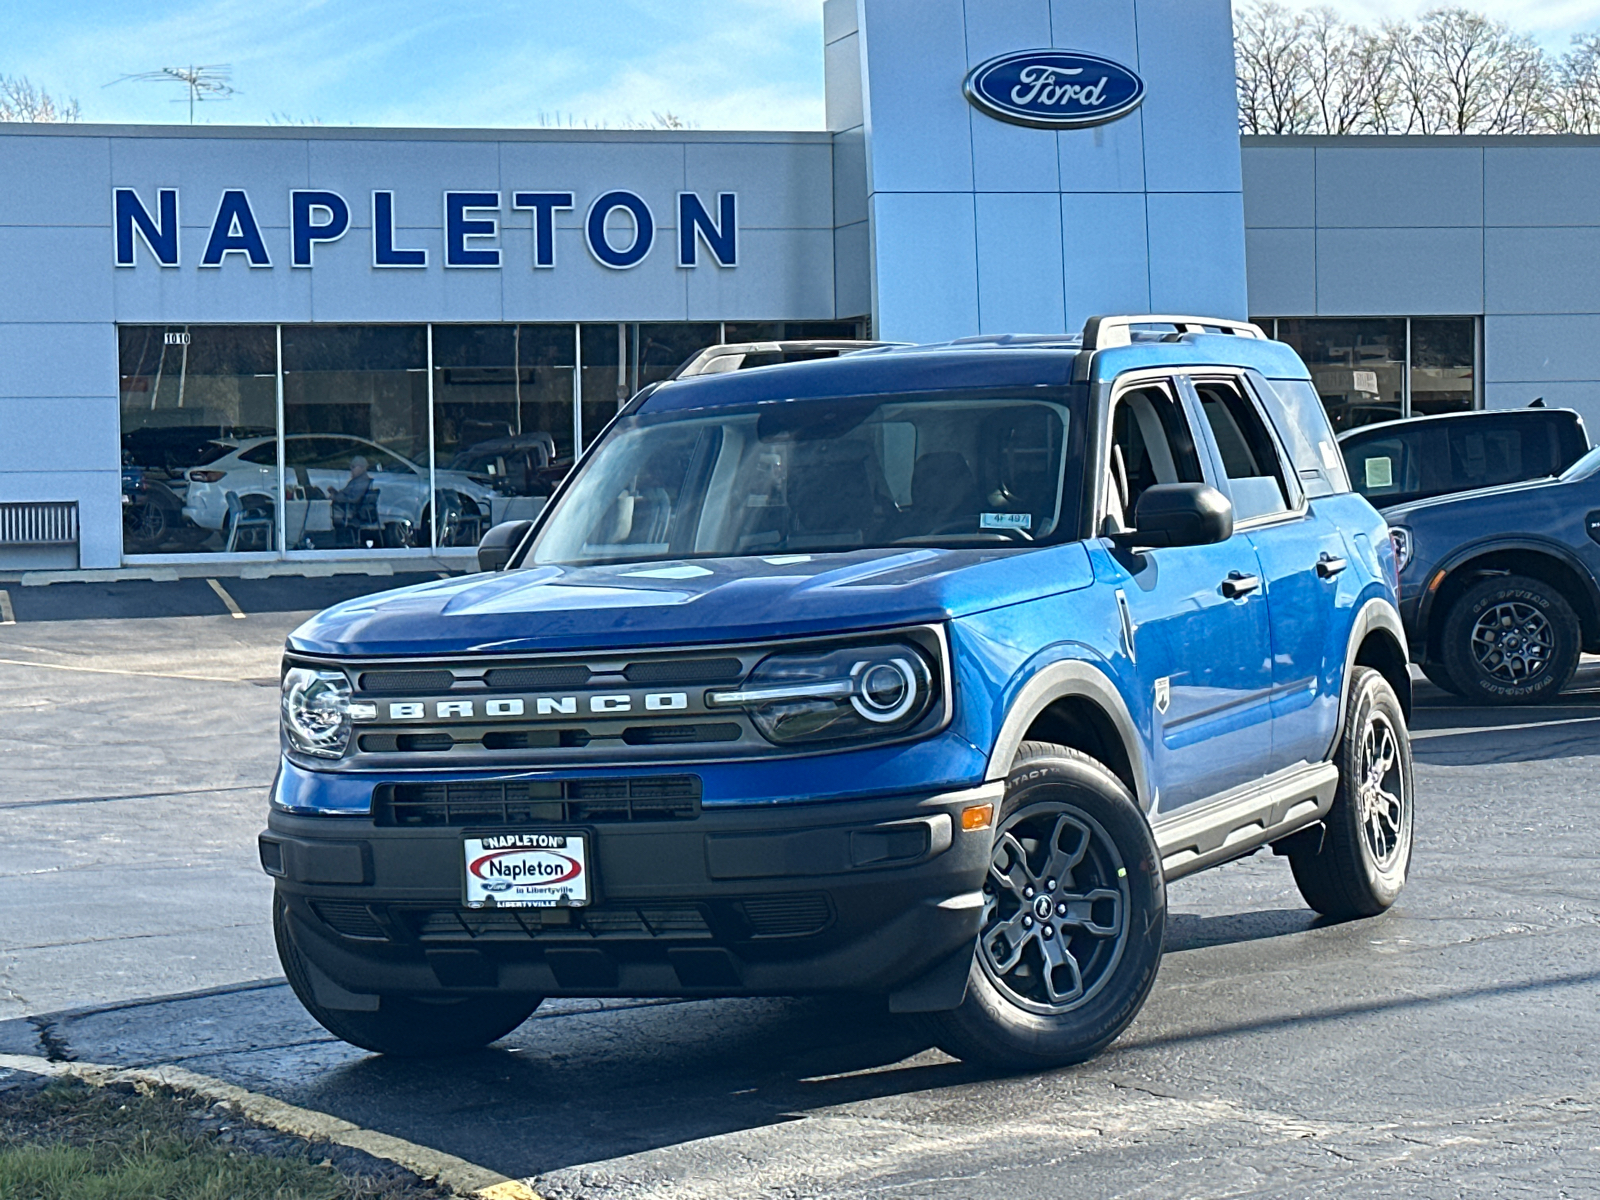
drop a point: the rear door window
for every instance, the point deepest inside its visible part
(1249, 456)
(1439, 458)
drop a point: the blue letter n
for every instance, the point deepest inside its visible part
(162, 237)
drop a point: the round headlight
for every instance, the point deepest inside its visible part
(849, 694)
(316, 711)
(885, 689)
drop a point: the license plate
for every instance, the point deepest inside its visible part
(527, 870)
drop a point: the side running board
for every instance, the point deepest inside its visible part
(1238, 821)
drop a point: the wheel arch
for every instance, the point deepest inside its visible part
(1544, 561)
(1074, 703)
(1377, 640)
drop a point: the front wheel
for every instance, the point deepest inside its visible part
(403, 1026)
(1074, 913)
(1358, 864)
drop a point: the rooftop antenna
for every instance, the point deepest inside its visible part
(203, 83)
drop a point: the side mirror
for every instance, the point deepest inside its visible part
(1180, 514)
(501, 542)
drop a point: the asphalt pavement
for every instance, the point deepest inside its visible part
(1448, 1048)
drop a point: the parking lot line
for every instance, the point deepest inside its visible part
(8, 615)
(233, 606)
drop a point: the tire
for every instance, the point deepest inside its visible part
(1035, 1002)
(144, 526)
(1358, 865)
(403, 1027)
(1538, 625)
(1440, 678)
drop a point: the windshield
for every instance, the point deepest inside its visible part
(817, 475)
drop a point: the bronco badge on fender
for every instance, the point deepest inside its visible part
(1053, 89)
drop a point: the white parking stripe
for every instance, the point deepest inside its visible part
(8, 615)
(233, 607)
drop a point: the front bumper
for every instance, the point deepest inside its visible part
(876, 896)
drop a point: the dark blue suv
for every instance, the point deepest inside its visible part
(917, 673)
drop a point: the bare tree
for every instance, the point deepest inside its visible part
(1453, 71)
(1476, 75)
(1577, 108)
(1270, 52)
(1348, 71)
(20, 100)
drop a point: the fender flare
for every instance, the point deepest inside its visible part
(1462, 555)
(1378, 613)
(1058, 681)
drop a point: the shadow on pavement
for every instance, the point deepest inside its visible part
(139, 599)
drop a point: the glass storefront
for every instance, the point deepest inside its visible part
(284, 440)
(190, 396)
(1369, 369)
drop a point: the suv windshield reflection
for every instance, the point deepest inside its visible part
(816, 475)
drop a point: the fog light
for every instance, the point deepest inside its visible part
(976, 817)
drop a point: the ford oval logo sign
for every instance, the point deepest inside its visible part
(1054, 89)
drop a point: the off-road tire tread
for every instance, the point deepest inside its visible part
(1456, 633)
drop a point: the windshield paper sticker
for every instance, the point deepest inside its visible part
(1380, 473)
(1005, 520)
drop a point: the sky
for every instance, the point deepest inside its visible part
(717, 64)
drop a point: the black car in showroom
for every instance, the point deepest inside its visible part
(1398, 462)
(1498, 587)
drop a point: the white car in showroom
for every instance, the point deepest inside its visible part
(318, 470)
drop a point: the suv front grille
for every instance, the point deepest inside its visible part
(515, 802)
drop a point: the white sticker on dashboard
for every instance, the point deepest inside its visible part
(1005, 520)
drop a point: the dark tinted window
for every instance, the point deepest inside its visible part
(1437, 458)
(1249, 459)
(1150, 444)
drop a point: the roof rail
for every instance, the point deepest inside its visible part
(1102, 333)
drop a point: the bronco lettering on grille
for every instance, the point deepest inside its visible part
(618, 703)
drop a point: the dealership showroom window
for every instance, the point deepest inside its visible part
(346, 434)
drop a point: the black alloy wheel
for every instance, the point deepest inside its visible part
(1055, 910)
(1355, 864)
(1510, 639)
(1073, 917)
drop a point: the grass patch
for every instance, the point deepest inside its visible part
(69, 1141)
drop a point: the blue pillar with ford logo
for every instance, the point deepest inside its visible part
(1019, 165)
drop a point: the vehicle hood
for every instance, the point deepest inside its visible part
(1459, 502)
(690, 602)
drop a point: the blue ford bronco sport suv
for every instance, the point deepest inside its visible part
(918, 672)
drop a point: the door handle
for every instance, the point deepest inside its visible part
(1330, 565)
(1239, 584)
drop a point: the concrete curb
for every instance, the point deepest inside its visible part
(457, 1174)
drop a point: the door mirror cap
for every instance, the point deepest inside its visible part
(1180, 514)
(500, 543)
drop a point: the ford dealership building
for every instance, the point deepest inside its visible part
(204, 332)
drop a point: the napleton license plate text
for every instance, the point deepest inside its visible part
(526, 870)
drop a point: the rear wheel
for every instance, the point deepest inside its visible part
(1510, 639)
(1074, 913)
(1358, 865)
(403, 1026)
